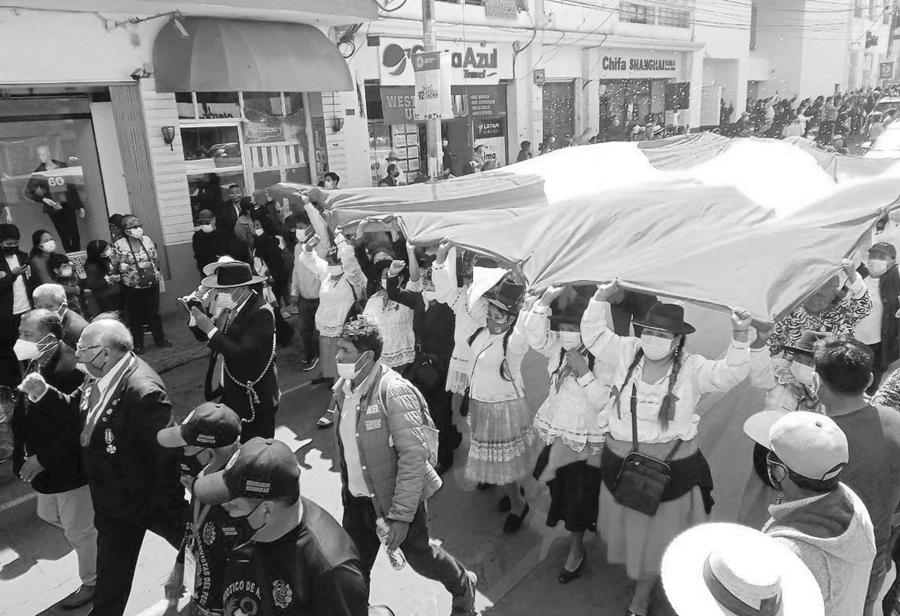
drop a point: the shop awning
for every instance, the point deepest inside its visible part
(226, 55)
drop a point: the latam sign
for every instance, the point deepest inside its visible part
(629, 63)
(472, 63)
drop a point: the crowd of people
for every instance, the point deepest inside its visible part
(422, 348)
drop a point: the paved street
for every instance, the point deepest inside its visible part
(516, 575)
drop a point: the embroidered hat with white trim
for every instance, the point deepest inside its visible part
(210, 425)
(263, 469)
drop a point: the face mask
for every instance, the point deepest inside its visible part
(258, 232)
(207, 228)
(569, 340)
(349, 371)
(497, 327)
(335, 270)
(86, 366)
(107, 253)
(656, 348)
(26, 350)
(49, 246)
(190, 465)
(10, 249)
(224, 301)
(136, 232)
(428, 296)
(876, 267)
(300, 234)
(65, 272)
(804, 374)
(246, 529)
(82, 368)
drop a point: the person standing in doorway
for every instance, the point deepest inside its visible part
(136, 258)
(14, 300)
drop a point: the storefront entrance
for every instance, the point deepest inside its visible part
(632, 101)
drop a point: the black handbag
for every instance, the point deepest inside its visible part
(642, 480)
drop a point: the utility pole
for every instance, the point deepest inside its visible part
(429, 38)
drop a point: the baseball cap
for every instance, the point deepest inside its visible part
(209, 425)
(810, 444)
(885, 249)
(262, 468)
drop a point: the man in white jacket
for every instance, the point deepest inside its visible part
(819, 518)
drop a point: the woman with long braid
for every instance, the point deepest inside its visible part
(656, 386)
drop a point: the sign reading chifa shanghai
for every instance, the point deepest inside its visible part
(635, 63)
(481, 63)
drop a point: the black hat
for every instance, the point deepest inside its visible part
(507, 295)
(885, 249)
(230, 275)
(262, 468)
(571, 314)
(666, 318)
(807, 342)
(210, 425)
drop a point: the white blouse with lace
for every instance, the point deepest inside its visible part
(468, 318)
(696, 377)
(336, 295)
(395, 322)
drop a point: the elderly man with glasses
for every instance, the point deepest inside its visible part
(134, 481)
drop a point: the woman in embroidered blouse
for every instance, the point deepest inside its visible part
(658, 383)
(568, 420)
(499, 417)
(394, 320)
(469, 317)
(342, 283)
(136, 259)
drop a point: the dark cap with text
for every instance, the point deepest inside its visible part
(210, 425)
(262, 468)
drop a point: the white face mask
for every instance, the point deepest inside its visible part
(569, 340)
(349, 371)
(224, 301)
(49, 246)
(335, 270)
(804, 374)
(65, 272)
(136, 232)
(300, 234)
(26, 350)
(656, 348)
(207, 228)
(258, 232)
(876, 267)
(82, 368)
(429, 296)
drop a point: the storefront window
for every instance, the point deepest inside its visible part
(262, 104)
(211, 147)
(50, 171)
(209, 190)
(185, 103)
(218, 105)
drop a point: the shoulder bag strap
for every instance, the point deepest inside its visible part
(634, 441)
(674, 450)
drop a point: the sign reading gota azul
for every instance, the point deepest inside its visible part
(469, 62)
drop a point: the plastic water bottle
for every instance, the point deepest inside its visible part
(398, 560)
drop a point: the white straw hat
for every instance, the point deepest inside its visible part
(733, 570)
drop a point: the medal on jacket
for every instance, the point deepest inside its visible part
(110, 441)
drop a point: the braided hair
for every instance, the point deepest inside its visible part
(562, 359)
(667, 407)
(505, 372)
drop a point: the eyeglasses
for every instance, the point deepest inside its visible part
(79, 349)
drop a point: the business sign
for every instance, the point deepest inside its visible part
(490, 129)
(398, 103)
(637, 63)
(885, 70)
(432, 94)
(471, 63)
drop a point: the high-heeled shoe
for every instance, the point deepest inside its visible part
(505, 505)
(566, 576)
(514, 522)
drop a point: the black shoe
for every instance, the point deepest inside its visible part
(505, 505)
(566, 576)
(514, 522)
(442, 467)
(455, 439)
(80, 597)
(484, 486)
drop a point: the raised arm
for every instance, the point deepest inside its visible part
(352, 271)
(596, 333)
(721, 375)
(536, 322)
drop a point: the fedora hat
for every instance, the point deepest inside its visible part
(807, 342)
(571, 314)
(230, 275)
(210, 269)
(666, 318)
(728, 569)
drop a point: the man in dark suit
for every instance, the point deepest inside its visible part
(134, 482)
(239, 326)
(46, 452)
(228, 214)
(14, 300)
(52, 297)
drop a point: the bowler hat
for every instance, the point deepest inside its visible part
(666, 318)
(507, 295)
(230, 275)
